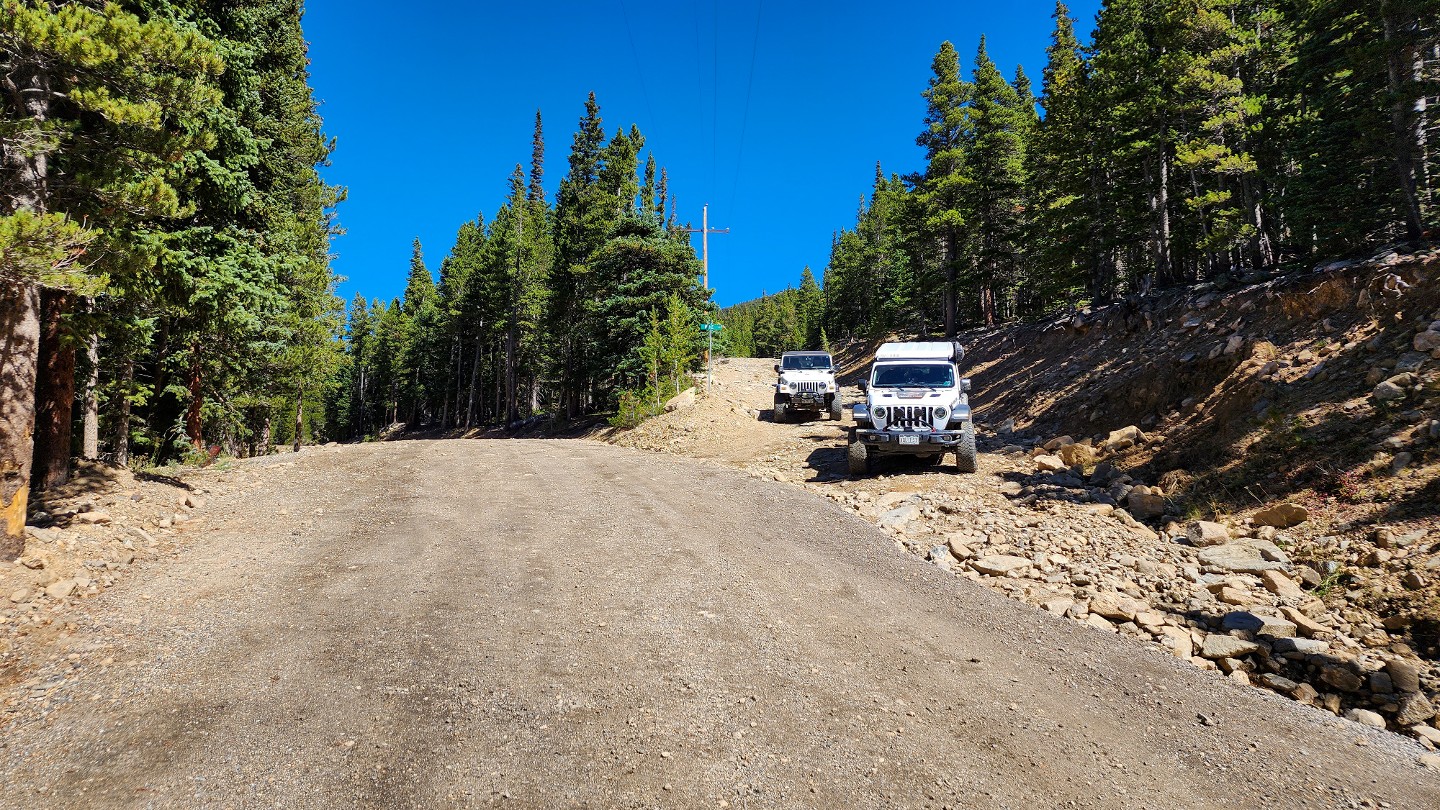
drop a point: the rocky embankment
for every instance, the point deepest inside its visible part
(1256, 598)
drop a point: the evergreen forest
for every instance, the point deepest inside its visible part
(165, 288)
(588, 303)
(1188, 141)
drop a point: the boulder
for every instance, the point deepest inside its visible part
(1179, 642)
(1411, 361)
(1124, 438)
(1278, 683)
(1245, 556)
(1307, 626)
(1116, 606)
(1387, 391)
(1427, 341)
(896, 519)
(1365, 717)
(1144, 505)
(1218, 646)
(1258, 623)
(1082, 455)
(1404, 675)
(1414, 708)
(1281, 516)
(1205, 533)
(1341, 677)
(999, 565)
(940, 555)
(1305, 646)
(684, 399)
(958, 549)
(1058, 442)
(1050, 463)
(1280, 585)
(60, 589)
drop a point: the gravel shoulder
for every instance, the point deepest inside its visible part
(565, 623)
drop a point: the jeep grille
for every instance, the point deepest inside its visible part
(810, 387)
(910, 417)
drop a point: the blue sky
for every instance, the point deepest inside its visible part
(773, 113)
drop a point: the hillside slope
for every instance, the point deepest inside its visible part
(1318, 389)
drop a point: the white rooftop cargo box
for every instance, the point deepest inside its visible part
(936, 350)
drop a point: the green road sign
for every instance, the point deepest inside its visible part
(710, 327)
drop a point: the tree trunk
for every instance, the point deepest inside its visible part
(19, 355)
(948, 299)
(299, 417)
(121, 440)
(474, 384)
(20, 324)
(265, 436)
(194, 423)
(1404, 145)
(90, 442)
(1162, 239)
(54, 394)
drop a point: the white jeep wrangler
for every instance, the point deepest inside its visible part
(915, 404)
(807, 383)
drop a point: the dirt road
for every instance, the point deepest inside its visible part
(569, 624)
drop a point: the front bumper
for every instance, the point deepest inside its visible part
(888, 441)
(806, 399)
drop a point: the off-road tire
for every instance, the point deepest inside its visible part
(837, 409)
(857, 455)
(965, 449)
(782, 412)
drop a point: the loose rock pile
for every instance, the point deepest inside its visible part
(1224, 596)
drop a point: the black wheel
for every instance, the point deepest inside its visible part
(837, 409)
(965, 450)
(782, 411)
(858, 456)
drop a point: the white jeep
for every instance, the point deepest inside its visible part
(915, 404)
(807, 383)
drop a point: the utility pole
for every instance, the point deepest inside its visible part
(705, 231)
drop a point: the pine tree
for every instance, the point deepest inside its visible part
(942, 188)
(995, 201)
(98, 96)
(1066, 256)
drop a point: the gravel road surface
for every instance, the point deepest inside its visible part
(570, 624)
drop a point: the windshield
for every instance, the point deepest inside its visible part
(915, 375)
(805, 362)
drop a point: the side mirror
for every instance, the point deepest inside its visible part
(965, 386)
(864, 386)
(777, 368)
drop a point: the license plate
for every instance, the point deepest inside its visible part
(909, 439)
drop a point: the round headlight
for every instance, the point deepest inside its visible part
(941, 414)
(879, 413)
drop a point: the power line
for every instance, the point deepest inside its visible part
(745, 116)
(639, 67)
